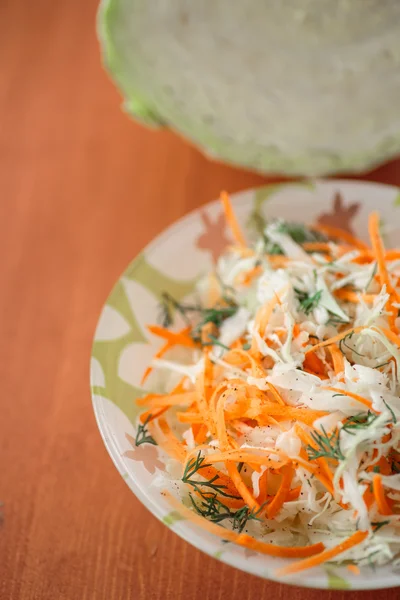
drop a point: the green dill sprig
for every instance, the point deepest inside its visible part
(307, 301)
(378, 524)
(142, 434)
(328, 445)
(211, 508)
(394, 419)
(297, 231)
(169, 305)
(301, 233)
(195, 315)
(215, 342)
(360, 421)
(216, 316)
(344, 343)
(192, 467)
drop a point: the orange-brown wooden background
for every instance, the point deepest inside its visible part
(82, 190)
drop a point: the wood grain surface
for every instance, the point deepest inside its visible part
(83, 189)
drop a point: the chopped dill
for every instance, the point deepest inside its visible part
(215, 342)
(193, 467)
(328, 445)
(394, 419)
(142, 434)
(308, 302)
(360, 421)
(378, 524)
(216, 511)
(343, 343)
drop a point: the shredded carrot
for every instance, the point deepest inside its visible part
(167, 440)
(262, 486)
(338, 361)
(280, 551)
(356, 397)
(318, 247)
(379, 250)
(241, 538)
(280, 497)
(182, 399)
(302, 462)
(231, 219)
(276, 394)
(357, 538)
(341, 234)
(353, 569)
(379, 494)
(392, 255)
(313, 364)
(335, 338)
(354, 297)
(180, 338)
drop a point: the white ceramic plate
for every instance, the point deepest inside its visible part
(122, 347)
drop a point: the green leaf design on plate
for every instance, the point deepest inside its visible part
(397, 200)
(172, 518)
(335, 581)
(108, 352)
(157, 282)
(218, 554)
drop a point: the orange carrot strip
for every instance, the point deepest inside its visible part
(232, 221)
(390, 335)
(392, 254)
(265, 312)
(314, 365)
(317, 247)
(279, 412)
(341, 234)
(247, 278)
(262, 486)
(182, 399)
(193, 418)
(378, 247)
(167, 346)
(200, 433)
(167, 440)
(356, 397)
(379, 494)
(241, 538)
(353, 569)
(241, 487)
(302, 462)
(384, 278)
(280, 497)
(273, 409)
(293, 494)
(335, 338)
(338, 361)
(276, 394)
(357, 538)
(145, 400)
(238, 455)
(354, 297)
(180, 338)
(282, 551)
(152, 414)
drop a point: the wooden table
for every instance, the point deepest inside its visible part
(81, 190)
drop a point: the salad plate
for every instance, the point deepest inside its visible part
(173, 266)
